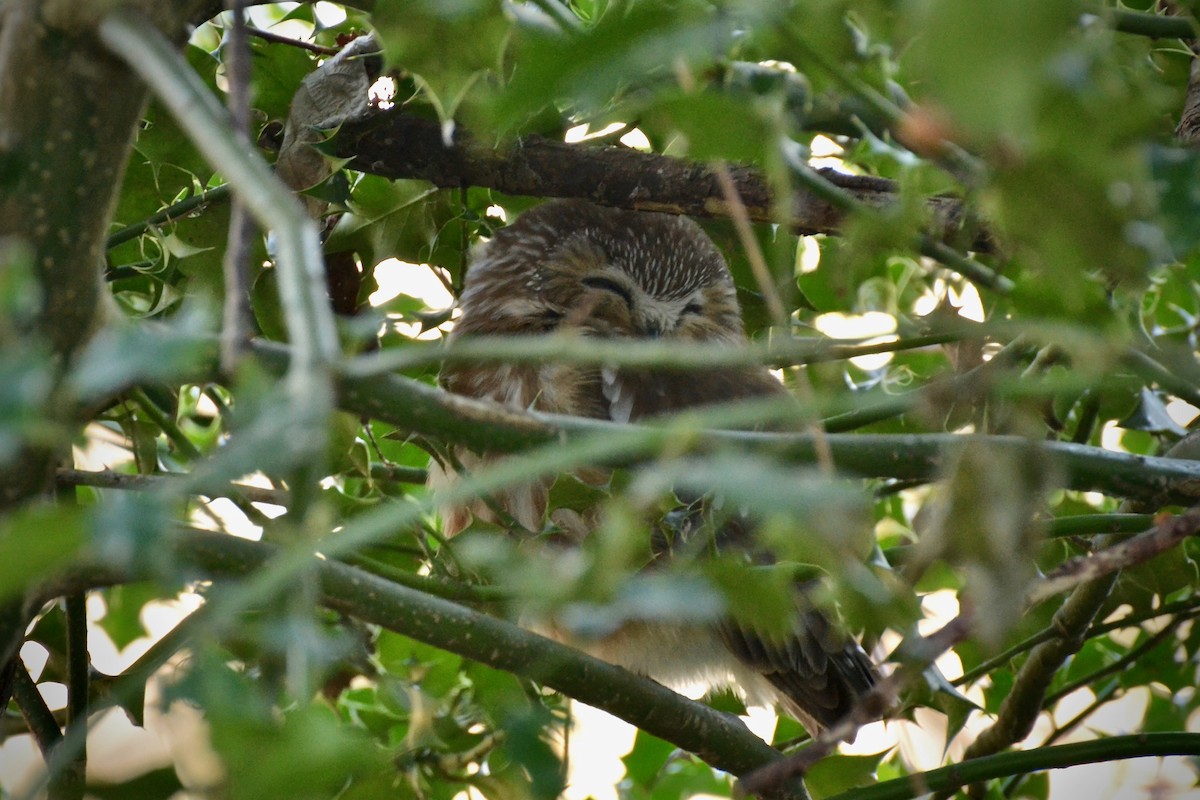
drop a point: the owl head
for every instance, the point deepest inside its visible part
(572, 265)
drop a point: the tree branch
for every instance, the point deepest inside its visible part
(946, 779)
(1168, 532)
(37, 714)
(1023, 703)
(717, 738)
(484, 426)
(118, 480)
(395, 144)
(302, 274)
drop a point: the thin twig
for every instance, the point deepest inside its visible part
(165, 423)
(1168, 532)
(131, 37)
(235, 332)
(1116, 666)
(105, 479)
(276, 38)
(754, 253)
(175, 211)
(37, 714)
(70, 781)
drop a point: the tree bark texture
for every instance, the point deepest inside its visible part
(68, 117)
(395, 144)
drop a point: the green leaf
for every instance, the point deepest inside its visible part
(125, 355)
(449, 43)
(122, 620)
(435, 670)
(840, 773)
(1005, 47)
(691, 116)
(36, 541)
(1176, 173)
(585, 71)
(646, 760)
(277, 71)
(525, 744)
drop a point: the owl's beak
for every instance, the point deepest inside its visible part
(652, 330)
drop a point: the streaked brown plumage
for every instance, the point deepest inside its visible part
(619, 274)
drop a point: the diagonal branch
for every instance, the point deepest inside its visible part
(1167, 532)
(718, 738)
(1093, 575)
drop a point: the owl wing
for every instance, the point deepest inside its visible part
(818, 672)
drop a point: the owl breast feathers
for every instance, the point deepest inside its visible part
(606, 273)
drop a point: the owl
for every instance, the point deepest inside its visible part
(572, 267)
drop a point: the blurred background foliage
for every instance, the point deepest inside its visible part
(1052, 121)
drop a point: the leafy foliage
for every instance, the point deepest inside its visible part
(1054, 131)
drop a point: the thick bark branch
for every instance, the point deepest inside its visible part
(717, 738)
(394, 144)
(68, 115)
(483, 426)
(1188, 130)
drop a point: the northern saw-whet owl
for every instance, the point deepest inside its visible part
(570, 266)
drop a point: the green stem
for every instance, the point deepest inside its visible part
(1116, 666)
(1000, 659)
(1084, 524)
(171, 213)
(964, 265)
(166, 424)
(640, 354)
(1112, 748)
(1155, 26)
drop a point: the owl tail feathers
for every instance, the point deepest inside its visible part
(816, 675)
